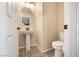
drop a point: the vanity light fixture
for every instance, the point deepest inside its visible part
(29, 5)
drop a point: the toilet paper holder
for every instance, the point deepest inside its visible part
(65, 26)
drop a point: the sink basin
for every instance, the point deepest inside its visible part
(27, 32)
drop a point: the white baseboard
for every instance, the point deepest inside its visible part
(25, 46)
(33, 44)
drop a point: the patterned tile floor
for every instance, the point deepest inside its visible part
(35, 52)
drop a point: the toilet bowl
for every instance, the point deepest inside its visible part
(58, 46)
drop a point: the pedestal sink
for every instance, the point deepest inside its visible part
(28, 34)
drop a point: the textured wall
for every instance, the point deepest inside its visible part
(50, 24)
(47, 23)
(60, 17)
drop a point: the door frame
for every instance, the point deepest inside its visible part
(70, 35)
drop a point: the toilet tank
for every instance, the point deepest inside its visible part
(61, 36)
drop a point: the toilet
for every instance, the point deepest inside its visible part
(58, 46)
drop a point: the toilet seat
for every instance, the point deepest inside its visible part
(58, 44)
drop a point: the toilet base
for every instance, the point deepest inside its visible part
(59, 53)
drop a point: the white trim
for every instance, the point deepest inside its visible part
(22, 47)
(25, 46)
(33, 44)
(70, 37)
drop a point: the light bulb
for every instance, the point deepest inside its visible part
(31, 6)
(27, 5)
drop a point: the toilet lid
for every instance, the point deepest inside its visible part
(58, 44)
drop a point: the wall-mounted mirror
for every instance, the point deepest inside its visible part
(26, 20)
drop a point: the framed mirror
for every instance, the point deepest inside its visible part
(26, 20)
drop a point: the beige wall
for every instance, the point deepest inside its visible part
(50, 24)
(39, 25)
(60, 17)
